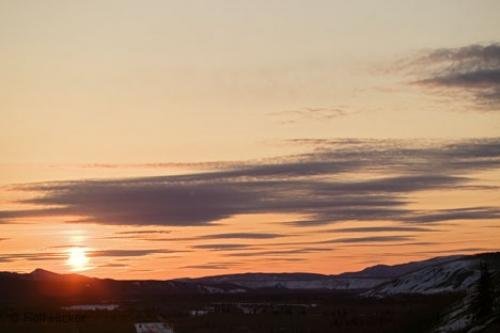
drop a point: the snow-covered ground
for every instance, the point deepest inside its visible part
(91, 307)
(456, 275)
(320, 283)
(341, 284)
(216, 290)
(152, 328)
(458, 318)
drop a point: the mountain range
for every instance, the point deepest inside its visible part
(440, 274)
(458, 274)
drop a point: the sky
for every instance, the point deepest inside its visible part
(165, 139)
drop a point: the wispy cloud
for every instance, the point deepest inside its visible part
(472, 71)
(372, 239)
(456, 251)
(382, 229)
(323, 186)
(241, 235)
(128, 253)
(143, 232)
(49, 256)
(42, 256)
(211, 165)
(209, 266)
(468, 213)
(280, 253)
(310, 114)
(222, 247)
(113, 265)
(231, 235)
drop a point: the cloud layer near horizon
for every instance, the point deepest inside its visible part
(339, 180)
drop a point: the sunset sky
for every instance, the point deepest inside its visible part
(164, 139)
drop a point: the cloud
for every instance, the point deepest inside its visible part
(113, 265)
(460, 250)
(310, 113)
(210, 266)
(137, 234)
(42, 256)
(390, 243)
(279, 252)
(373, 239)
(127, 253)
(221, 247)
(467, 213)
(49, 256)
(241, 235)
(142, 232)
(360, 180)
(232, 235)
(383, 229)
(214, 165)
(286, 259)
(473, 71)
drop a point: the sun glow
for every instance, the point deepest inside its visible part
(77, 259)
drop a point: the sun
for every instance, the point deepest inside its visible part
(77, 258)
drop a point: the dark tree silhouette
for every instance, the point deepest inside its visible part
(482, 304)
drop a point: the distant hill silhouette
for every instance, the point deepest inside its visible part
(452, 273)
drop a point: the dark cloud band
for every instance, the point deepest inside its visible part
(323, 186)
(472, 70)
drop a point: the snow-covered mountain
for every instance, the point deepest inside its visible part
(460, 274)
(294, 281)
(462, 316)
(440, 274)
(394, 271)
(455, 275)
(434, 276)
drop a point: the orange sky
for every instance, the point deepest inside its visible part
(184, 138)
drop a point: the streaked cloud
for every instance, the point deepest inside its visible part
(468, 213)
(208, 266)
(241, 235)
(48, 256)
(221, 247)
(471, 71)
(310, 114)
(42, 256)
(285, 252)
(382, 229)
(372, 239)
(457, 251)
(322, 185)
(127, 253)
(143, 232)
(231, 235)
(113, 265)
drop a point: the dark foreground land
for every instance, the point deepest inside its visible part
(261, 312)
(458, 294)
